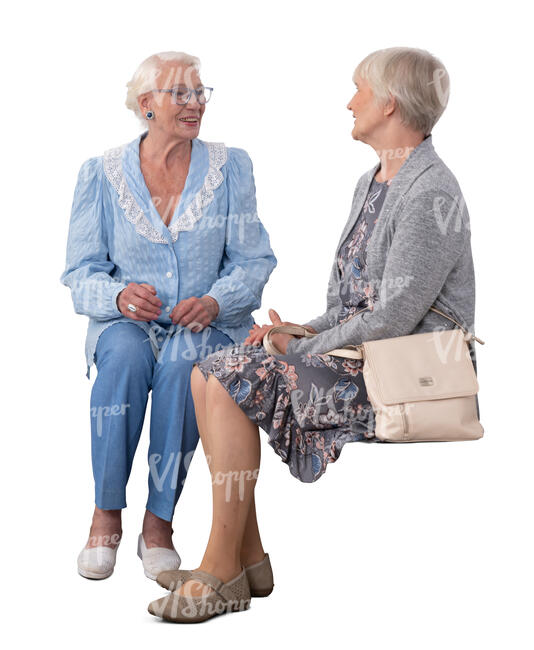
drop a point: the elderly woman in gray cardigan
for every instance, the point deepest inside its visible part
(405, 247)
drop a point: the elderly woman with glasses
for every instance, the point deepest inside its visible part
(405, 246)
(168, 259)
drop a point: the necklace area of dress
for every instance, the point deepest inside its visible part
(386, 182)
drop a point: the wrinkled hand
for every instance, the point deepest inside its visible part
(280, 340)
(144, 297)
(195, 313)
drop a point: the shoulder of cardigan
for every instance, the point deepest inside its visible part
(419, 159)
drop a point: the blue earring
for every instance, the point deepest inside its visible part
(150, 115)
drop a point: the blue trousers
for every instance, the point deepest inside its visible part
(127, 370)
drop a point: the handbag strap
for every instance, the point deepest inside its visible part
(468, 334)
(350, 351)
(299, 330)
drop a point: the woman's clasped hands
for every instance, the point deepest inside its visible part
(193, 312)
(279, 339)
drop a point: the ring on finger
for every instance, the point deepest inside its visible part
(132, 307)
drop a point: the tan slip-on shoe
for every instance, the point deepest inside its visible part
(231, 596)
(259, 576)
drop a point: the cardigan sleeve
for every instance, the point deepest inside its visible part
(88, 267)
(248, 259)
(323, 322)
(429, 239)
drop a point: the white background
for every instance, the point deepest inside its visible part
(408, 547)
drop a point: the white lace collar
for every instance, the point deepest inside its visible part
(214, 177)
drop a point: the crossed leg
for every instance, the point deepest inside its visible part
(231, 444)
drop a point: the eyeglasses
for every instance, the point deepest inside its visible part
(182, 94)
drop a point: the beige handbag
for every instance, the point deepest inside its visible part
(422, 387)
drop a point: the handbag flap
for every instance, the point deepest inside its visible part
(417, 367)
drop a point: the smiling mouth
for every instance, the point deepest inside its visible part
(189, 120)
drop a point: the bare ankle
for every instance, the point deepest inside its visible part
(251, 556)
(106, 528)
(224, 570)
(157, 532)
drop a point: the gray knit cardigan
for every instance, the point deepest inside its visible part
(418, 255)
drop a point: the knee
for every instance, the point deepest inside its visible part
(125, 346)
(178, 355)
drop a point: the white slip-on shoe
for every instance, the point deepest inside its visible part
(97, 562)
(158, 559)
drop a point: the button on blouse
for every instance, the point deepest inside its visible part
(214, 245)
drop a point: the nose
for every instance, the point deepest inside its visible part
(193, 100)
(351, 103)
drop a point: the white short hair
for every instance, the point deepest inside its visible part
(415, 78)
(144, 77)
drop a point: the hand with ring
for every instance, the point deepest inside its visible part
(139, 302)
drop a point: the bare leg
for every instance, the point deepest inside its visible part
(233, 446)
(251, 548)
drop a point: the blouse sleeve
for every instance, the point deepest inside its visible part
(248, 259)
(88, 267)
(427, 243)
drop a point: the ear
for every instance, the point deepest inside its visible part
(390, 106)
(143, 102)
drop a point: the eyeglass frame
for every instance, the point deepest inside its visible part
(173, 91)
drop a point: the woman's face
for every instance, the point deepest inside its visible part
(178, 120)
(368, 115)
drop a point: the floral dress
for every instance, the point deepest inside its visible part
(310, 405)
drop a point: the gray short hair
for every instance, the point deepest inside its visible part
(144, 77)
(415, 78)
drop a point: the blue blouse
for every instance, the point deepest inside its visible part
(215, 243)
